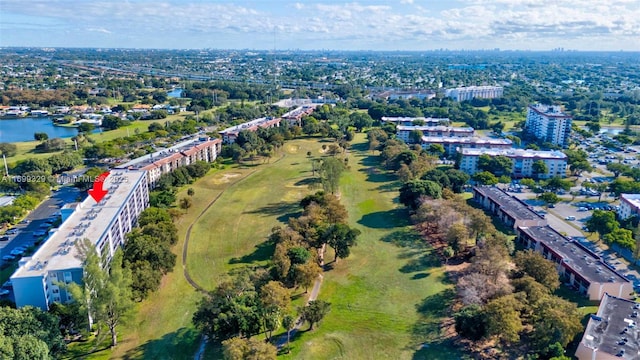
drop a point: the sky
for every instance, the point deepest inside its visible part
(605, 25)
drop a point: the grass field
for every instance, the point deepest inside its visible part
(388, 298)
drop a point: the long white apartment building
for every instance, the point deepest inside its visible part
(182, 154)
(548, 123)
(229, 135)
(523, 160)
(471, 92)
(403, 132)
(409, 121)
(452, 144)
(37, 280)
(294, 117)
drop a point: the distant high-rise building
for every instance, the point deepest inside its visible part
(471, 92)
(548, 123)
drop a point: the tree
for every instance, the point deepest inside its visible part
(621, 237)
(248, 349)
(412, 192)
(191, 192)
(289, 323)
(29, 333)
(341, 238)
(314, 312)
(617, 168)
(471, 322)
(86, 127)
(539, 168)
(153, 215)
(602, 222)
(448, 253)
(275, 300)
(535, 265)
(331, 170)
(306, 274)
(557, 183)
(40, 136)
(549, 198)
(503, 318)
(458, 237)
(555, 321)
(485, 178)
(8, 149)
(436, 150)
(497, 165)
(360, 120)
(186, 203)
(105, 295)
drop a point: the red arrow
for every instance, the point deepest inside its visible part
(97, 193)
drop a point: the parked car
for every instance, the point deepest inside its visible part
(8, 257)
(4, 238)
(4, 292)
(570, 218)
(11, 231)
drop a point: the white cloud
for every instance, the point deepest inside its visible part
(468, 23)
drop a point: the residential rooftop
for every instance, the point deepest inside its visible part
(141, 162)
(510, 204)
(427, 120)
(575, 255)
(90, 220)
(633, 199)
(522, 153)
(434, 128)
(247, 125)
(614, 330)
(467, 140)
(549, 110)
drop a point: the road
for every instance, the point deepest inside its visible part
(37, 218)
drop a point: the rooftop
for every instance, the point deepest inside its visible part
(90, 221)
(575, 255)
(466, 140)
(434, 128)
(406, 119)
(247, 125)
(139, 163)
(510, 204)
(614, 329)
(633, 199)
(549, 110)
(522, 153)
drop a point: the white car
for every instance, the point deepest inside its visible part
(570, 218)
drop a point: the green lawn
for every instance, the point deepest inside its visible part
(388, 298)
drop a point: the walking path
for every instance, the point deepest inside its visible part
(282, 341)
(185, 249)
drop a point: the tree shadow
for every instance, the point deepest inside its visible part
(388, 187)
(184, 339)
(385, 219)
(285, 210)
(419, 276)
(307, 181)
(426, 261)
(263, 251)
(430, 330)
(406, 238)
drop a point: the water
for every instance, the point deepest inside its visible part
(22, 129)
(175, 93)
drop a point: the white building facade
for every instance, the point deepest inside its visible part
(548, 123)
(629, 206)
(403, 132)
(452, 144)
(523, 160)
(37, 281)
(471, 92)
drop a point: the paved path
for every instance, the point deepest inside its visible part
(185, 248)
(282, 341)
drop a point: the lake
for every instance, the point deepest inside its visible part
(175, 93)
(22, 129)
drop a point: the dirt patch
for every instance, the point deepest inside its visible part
(225, 178)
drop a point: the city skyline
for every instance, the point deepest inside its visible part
(365, 25)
